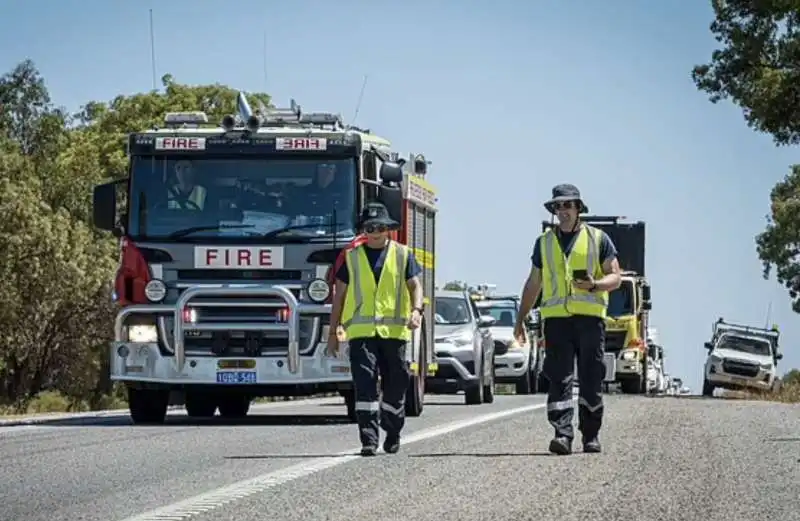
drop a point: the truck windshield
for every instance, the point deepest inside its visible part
(452, 310)
(241, 198)
(747, 345)
(504, 314)
(620, 301)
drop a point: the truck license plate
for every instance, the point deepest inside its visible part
(236, 377)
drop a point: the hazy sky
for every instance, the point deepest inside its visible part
(506, 98)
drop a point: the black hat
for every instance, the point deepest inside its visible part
(566, 192)
(376, 213)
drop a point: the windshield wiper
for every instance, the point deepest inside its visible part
(188, 231)
(281, 231)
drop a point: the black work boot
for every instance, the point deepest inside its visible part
(591, 445)
(368, 450)
(561, 446)
(392, 443)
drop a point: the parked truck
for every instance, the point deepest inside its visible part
(627, 323)
(227, 234)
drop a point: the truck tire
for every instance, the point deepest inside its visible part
(147, 406)
(523, 384)
(200, 405)
(488, 388)
(544, 383)
(631, 385)
(708, 388)
(415, 395)
(234, 407)
(350, 404)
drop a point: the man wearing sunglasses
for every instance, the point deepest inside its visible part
(378, 300)
(575, 267)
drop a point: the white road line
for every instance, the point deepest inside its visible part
(214, 499)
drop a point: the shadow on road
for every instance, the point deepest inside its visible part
(481, 455)
(289, 456)
(255, 420)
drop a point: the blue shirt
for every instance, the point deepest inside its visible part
(607, 248)
(376, 258)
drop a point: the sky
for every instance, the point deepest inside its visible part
(506, 99)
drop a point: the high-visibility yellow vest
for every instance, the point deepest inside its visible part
(559, 297)
(380, 309)
(196, 196)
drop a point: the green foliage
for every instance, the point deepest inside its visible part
(757, 67)
(56, 271)
(455, 285)
(791, 378)
(758, 64)
(779, 245)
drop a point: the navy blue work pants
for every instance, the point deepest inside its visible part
(370, 357)
(565, 339)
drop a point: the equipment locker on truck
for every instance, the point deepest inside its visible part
(227, 238)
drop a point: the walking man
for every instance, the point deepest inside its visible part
(378, 301)
(574, 266)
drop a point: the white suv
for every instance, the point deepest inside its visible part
(739, 361)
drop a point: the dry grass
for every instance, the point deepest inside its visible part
(789, 393)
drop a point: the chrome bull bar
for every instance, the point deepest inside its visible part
(291, 326)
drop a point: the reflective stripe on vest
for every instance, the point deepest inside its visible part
(377, 309)
(559, 297)
(196, 196)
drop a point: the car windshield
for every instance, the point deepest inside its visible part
(452, 310)
(746, 345)
(620, 301)
(505, 315)
(241, 198)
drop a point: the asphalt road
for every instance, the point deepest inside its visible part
(664, 458)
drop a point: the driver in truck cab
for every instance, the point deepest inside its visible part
(184, 193)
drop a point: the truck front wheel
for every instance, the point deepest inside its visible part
(147, 406)
(234, 406)
(200, 405)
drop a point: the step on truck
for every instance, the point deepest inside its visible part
(627, 322)
(227, 234)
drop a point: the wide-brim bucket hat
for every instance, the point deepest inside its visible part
(566, 192)
(376, 214)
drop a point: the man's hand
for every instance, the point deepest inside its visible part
(332, 349)
(584, 284)
(519, 334)
(415, 320)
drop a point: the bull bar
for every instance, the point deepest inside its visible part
(291, 326)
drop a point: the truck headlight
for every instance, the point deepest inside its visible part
(142, 334)
(318, 291)
(460, 340)
(766, 367)
(629, 355)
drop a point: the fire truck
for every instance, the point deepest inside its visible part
(627, 323)
(228, 233)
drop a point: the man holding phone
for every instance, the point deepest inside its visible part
(574, 267)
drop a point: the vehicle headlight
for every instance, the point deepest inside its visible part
(155, 290)
(629, 355)
(715, 359)
(318, 291)
(766, 367)
(142, 333)
(459, 340)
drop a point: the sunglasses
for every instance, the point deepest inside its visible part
(566, 205)
(375, 228)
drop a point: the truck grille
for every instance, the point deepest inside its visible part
(740, 368)
(240, 310)
(615, 341)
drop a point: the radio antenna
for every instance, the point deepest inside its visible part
(360, 98)
(264, 50)
(153, 49)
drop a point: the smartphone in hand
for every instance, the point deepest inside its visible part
(580, 275)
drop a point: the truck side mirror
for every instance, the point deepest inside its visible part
(779, 356)
(104, 206)
(647, 305)
(391, 172)
(709, 346)
(392, 199)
